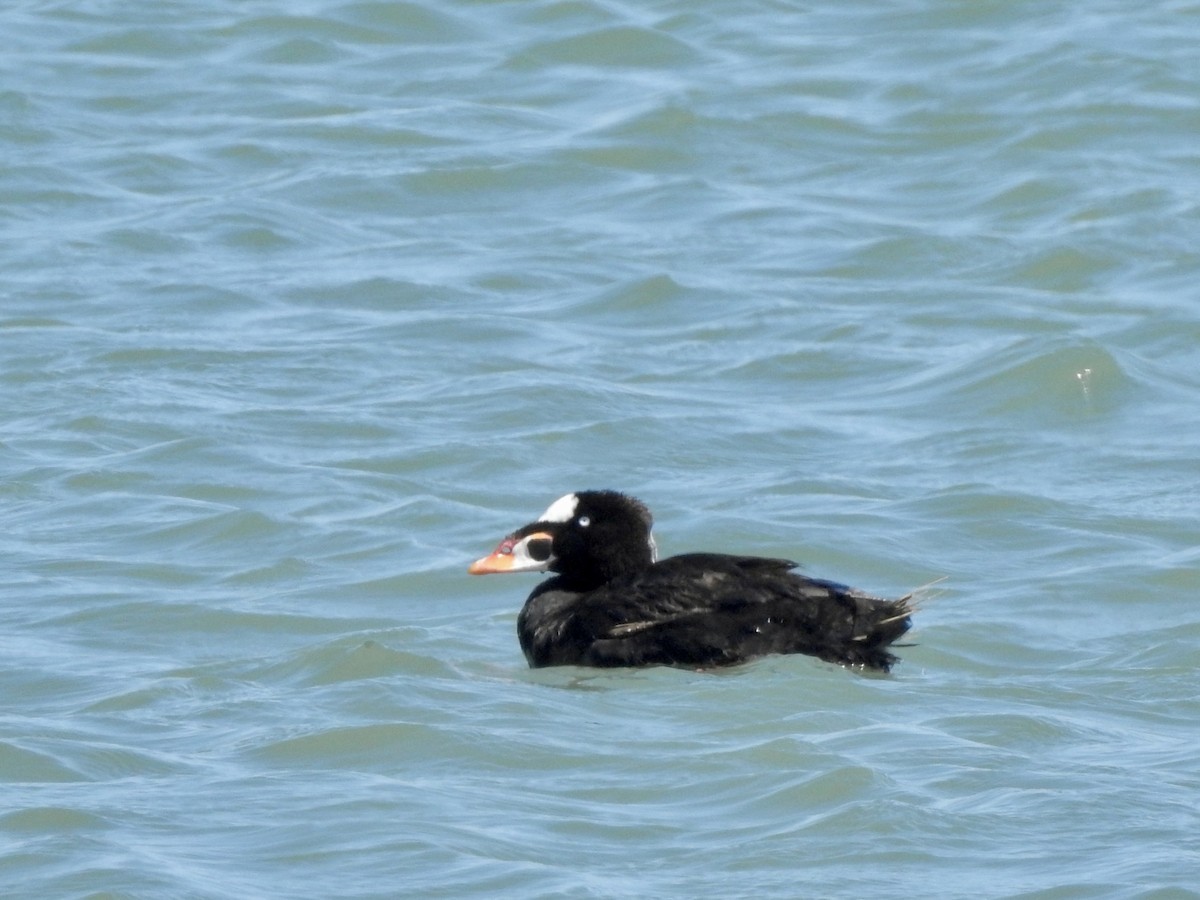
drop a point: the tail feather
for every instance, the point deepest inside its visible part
(882, 622)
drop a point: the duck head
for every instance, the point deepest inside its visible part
(587, 538)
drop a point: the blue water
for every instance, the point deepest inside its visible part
(304, 306)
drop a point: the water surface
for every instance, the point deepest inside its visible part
(306, 305)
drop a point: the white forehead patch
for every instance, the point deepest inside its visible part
(561, 510)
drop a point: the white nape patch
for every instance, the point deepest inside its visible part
(653, 549)
(561, 510)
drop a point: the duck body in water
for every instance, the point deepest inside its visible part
(611, 603)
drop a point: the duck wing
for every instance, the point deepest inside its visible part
(702, 610)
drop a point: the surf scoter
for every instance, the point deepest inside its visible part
(611, 602)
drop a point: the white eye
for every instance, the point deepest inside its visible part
(584, 521)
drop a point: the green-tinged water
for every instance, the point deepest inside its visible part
(304, 306)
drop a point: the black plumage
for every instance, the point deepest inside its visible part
(611, 604)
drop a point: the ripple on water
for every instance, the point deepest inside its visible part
(19, 764)
(355, 659)
(52, 820)
(1026, 380)
(620, 47)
